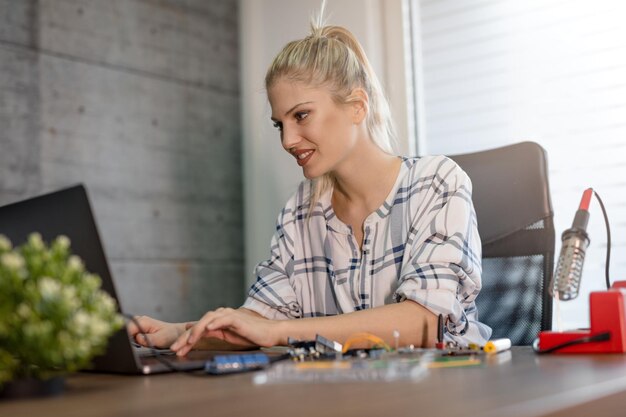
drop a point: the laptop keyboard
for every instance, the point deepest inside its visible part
(146, 352)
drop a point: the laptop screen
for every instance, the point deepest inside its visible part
(66, 212)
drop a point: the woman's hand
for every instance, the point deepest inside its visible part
(161, 333)
(240, 327)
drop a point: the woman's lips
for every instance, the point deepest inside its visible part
(303, 157)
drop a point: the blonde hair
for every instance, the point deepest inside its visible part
(331, 56)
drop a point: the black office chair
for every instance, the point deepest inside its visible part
(515, 221)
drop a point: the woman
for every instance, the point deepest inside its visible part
(370, 242)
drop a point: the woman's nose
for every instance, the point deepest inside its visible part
(289, 138)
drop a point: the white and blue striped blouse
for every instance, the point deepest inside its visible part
(422, 244)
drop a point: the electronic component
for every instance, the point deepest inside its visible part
(396, 339)
(323, 345)
(363, 338)
(227, 364)
(301, 350)
(350, 369)
(497, 345)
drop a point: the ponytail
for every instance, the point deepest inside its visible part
(332, 57)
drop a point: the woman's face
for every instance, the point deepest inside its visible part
(319, 133)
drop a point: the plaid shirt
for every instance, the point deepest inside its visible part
(422, 244)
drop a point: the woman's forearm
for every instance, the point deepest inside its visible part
(226, 328)
(416, 325)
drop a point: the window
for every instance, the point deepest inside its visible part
(495, 72)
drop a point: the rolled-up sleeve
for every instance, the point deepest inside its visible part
(442, 265)
(272, 295)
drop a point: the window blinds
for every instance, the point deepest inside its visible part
(496, 72)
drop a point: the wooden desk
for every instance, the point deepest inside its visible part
(524, 385)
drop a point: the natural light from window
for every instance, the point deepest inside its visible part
(495, 72)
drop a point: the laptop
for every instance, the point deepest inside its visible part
(68, 212)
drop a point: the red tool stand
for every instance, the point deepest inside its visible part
(608, 314)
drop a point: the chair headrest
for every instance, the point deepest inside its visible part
(510, 188)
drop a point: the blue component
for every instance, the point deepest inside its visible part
(227, 364)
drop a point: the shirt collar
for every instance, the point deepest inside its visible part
(333, 222)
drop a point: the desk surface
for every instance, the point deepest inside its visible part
(516, 384)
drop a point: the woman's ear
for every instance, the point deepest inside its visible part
(358, 101)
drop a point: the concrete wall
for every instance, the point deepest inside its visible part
(139, 100)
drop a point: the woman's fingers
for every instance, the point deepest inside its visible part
(182, 350)
(180, 341)
(225, 324)
(222, 322)
(133, 325)
(186, 341)
(199, 328)
(150, 339)
(224, 335)
(230, 337)
(252, 330)
(141, 325)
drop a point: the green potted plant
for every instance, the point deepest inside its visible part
(54, 318)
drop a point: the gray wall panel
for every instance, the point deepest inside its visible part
(138, 99)
(168, 283)
(19, 123)
(17, 21)
(193, 41)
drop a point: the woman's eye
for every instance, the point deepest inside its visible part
(278, 125)
(301, 115)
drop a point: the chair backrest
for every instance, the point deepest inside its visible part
(515, 221)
